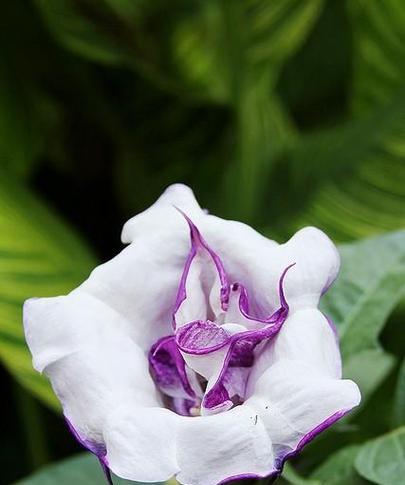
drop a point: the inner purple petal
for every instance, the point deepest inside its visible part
(244, 305)
(168, 369)
(181, 386)
(201, 337)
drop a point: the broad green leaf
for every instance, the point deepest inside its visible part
(362, 202)
(368, 198)
(351, 177)
(368, 368)
(339, 468)
(362, 162)
(39, 256)
(371, 283)
(379, 51)
(369, 286)
(80, 470)
(382, 460)
(399, 409)
(365, 192)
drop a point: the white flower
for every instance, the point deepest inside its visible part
(206, 359)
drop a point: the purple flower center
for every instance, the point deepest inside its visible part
(204, 365)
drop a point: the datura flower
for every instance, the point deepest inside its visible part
(198, 351)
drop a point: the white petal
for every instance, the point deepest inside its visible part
(141, 443)
(141, 282)
(160, 217)
(295, 402)
(213, 448)
(308, 336)
(84, 347)
(317, 265)
(258, 263)
(295, 386)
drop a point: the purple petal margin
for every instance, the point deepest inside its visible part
(244, 301)
(98, 449)
(198, 242)
(304, 441)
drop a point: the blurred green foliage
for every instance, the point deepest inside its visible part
(280, 113)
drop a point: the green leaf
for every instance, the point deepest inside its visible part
(382, 460)
(369, 286)
(88, 29)
(263, 128)
(339, 468)
(317, 100)
(291, 476)
(363, 191)
(362, 162)
(232, 52)
(18, 141)
(223, 40)
(351, 177)
(127, 9)
(399, 410)
(379, 51)
(368, 368)
(371, 283)
(39, 256)
(80, 470)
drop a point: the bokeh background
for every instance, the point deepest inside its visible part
(279, 113)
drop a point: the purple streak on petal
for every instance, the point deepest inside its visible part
(242, 355)
(217, 398)
(198, 242)
(98, 449)
(182, 406)
(168, 369)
